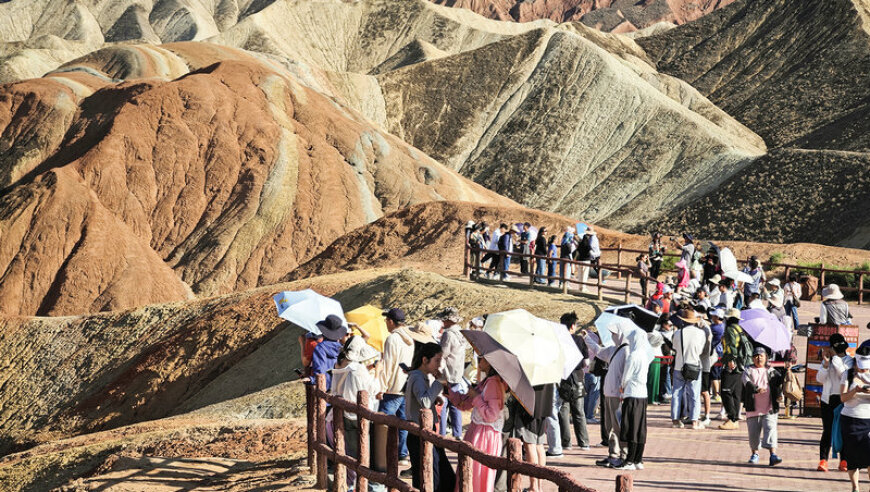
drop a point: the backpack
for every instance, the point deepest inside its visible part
(744, 349)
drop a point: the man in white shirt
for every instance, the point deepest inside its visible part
(689, 342)
(398, 349)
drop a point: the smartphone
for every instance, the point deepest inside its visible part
(298, 371)
(820, 354)
(404, 367)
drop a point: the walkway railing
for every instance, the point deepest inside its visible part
(473, 257)
(319, 451)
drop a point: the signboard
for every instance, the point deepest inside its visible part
(815, 343)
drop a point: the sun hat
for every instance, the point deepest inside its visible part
(776, 301)
(715, 279)
(515, 229)
(332, 328)
(470, 224)
(774, 282)
(357, 350)
(424, 331)
(832, 291)
(733, 313)
(690, 316)
(450, 314)
(477, 322)
(395, 314)
(717, 312)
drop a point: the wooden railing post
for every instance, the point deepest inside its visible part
(312, 425)
(624, 483)
(532, 262)
(320, 411)
(339, 476)
(563, 282)
(787, 272)
(364, 456)
(465, 261)
(600, 297)
(821, 276)
(392, 453)
(619, 260)
(515, 454)
(463, 469)
(426, 453)
(627, 286)
(860, 289)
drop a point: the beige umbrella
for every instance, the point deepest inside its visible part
(533, 340)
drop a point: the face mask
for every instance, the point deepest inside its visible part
(863, 376)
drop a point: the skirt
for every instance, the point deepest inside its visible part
(488, 440)
(856, 442)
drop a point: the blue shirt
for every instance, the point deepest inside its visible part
(718, 331)
(324, 359)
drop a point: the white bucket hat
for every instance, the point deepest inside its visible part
(359, 351)
(774, 282)
(862, 361)
(832, 291)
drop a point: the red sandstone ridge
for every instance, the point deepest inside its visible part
(220, 180)
(607, 15)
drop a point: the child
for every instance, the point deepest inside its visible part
(761, 392)
(423, 390)
(484, 432)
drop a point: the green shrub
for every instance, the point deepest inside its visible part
(776, 257)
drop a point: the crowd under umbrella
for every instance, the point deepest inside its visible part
(766, 329)
(306, 307)
(371, 319)
(532, 340)
(506, 363)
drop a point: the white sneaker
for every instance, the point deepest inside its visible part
(626, 466)
(706, 422)
(639, 466)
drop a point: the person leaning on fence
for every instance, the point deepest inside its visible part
(477, 241)
(855, 416)
(398, 349)
(326, 353)
(831, 374)
(834, 310)
(588, 251)
(423, 390)
(486, 403)
(356, 372)
(762, 388)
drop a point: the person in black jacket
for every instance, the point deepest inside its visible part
(541, 250)
(572, 391)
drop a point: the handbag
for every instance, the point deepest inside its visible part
(792, 389)
(690, 372)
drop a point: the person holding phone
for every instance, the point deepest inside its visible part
(855, 416)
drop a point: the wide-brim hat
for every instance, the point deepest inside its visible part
(832, 291)
(424, 331)
(776, 301)
(690, 316)
(450, 314)
(514, 229)
(715, 279)
(733, 313)
(332, 328)
(774, 282)
(862, 361)
(359, 351)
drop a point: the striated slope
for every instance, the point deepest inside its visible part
(820, 196)
(795, 71)
(66, 376)
(232, 174)
(570, 121)
(607, 15)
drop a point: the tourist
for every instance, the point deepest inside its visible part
(586, 253)
(570, 409)
(761, 391)
(355, 373)
(492, 256)
(776, 301)
(707, 361)
(541, 253)
(423, 390)
(566, 251)
(326, 353)
(477, 241)
(615, 356)
(717, 329)
(307, 343)
(524, 245)
(792, 298)
(398, 350)
(712, 271)
(690, 342)
(505, 248)
(855, 416)
(731, 392)
(666, 328)
(643, 275)
(633, 392)
(453, 348)
(831, 374)
(701, 298)
(486, 403)
(531, 428)
(754, 270)
(723, 296)
(551, 264)
(735, 341)
(834, 311)
(656, 255)
(687, 254)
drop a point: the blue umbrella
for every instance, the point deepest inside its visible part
(306, 307)
(581, 228)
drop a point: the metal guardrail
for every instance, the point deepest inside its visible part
(319, 451)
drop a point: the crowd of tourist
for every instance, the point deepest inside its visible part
(697, 349)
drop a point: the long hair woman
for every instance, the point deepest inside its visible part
(855, 416)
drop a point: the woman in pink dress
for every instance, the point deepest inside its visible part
(484, 433)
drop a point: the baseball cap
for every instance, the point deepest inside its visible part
(395, 314)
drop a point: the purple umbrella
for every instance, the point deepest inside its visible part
(764, 328)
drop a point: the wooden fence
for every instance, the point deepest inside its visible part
(473, 255)
(319, 451)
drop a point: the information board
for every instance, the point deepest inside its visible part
(815, 343)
